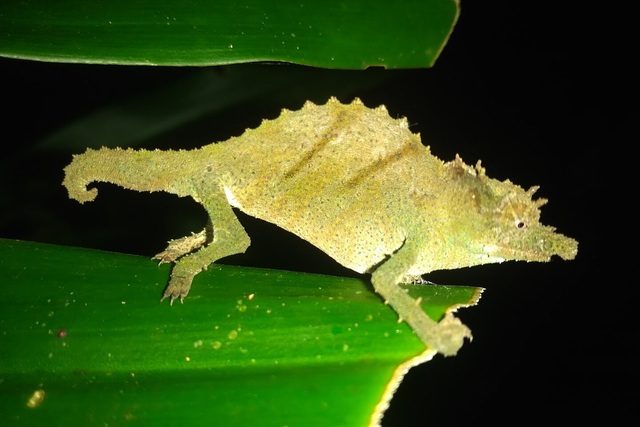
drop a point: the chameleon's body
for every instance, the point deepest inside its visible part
(352, 181)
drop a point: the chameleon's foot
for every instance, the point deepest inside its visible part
(180, 247)
(178, 287)
(450, 335)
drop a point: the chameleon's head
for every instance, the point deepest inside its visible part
(504, 223)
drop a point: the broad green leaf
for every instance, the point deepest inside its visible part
(84, 340)
(351, 34)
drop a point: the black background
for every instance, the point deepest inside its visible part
(543, 93)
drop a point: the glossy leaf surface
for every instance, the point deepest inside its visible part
(331, 34)
(84, 331)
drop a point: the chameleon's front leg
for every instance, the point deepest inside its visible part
(229, 238)
(446, 336)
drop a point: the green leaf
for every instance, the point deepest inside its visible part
(323, 33)
(84, 340)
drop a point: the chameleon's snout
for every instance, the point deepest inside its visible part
(563, 246)
(539, 244)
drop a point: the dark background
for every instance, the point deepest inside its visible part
(542, 93)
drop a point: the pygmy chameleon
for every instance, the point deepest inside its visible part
(350, 180)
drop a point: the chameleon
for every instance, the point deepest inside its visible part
(354, 182)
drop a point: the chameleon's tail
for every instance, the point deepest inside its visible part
(139, 170)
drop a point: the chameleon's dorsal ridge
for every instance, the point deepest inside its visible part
(353, 181)
(480, 170)
(381, 110)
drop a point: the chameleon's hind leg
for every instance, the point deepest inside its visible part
(229, 238)
(180, 247)
(446, 336)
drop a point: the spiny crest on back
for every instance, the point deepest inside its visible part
(348, 113)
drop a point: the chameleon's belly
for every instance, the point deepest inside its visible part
(353, 232)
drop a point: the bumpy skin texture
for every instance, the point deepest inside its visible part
(352, 181)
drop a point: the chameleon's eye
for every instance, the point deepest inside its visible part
(517, 212)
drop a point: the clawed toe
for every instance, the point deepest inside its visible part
(172, 297)
(178, 287)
